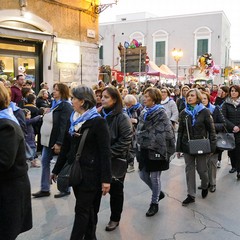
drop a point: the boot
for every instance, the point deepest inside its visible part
(152, 210)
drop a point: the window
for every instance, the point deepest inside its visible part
(101, 52)
(160, 44)
(138, 36)
(202, 47)
(202, 42)
(160, 53)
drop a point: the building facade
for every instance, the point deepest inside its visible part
(194, 34)
(49, 40)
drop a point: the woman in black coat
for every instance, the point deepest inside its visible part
(15, 197)
(219, 123)
(155, 137)
(94, 161)
(120, 139)
(52, 133)
(231, 111)
(200, 125)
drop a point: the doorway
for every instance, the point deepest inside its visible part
(21, 57)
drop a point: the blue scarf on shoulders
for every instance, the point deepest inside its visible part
(133, 108)
(105, 115)
(194, 112)
(13, 106)
(211, 107)
(151, 110)
(90, 114)
(8, 114)
(58, 102)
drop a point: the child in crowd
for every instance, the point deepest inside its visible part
(30, 137)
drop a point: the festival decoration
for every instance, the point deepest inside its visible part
(207, 65)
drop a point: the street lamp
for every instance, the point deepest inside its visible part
(177, 54)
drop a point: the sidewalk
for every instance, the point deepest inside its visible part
(213, 218)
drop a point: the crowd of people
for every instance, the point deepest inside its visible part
(143, 124)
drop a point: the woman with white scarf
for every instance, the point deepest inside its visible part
(169, 105)
(231, 112)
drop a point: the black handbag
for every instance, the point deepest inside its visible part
(225, 141)
(119, 167)
(155, 156)
(71, 173)
(198, 146)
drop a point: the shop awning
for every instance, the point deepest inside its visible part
(25, 33)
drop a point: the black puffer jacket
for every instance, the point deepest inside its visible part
(203, 128)
(121, 134)
(232, 117)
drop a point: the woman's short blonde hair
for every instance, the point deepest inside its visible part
(4, 97)
(198, 93)
(41, 92)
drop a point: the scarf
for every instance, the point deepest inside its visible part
(77, 120)
(105, 115)
(151, 110)
(13, 106)
(194, 111)
(211, 107)
(236, 103)
(133, 108)
(166, 100)
(8, 114)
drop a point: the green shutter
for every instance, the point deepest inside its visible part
(101, 52)
(202, 47)
(160, 52)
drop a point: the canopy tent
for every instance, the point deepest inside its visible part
(153, 70)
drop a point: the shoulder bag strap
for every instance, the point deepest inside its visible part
(220, 111)
(187, 128)
(81, 144)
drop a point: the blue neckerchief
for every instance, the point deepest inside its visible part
(13, 106)
(8, 114)
(222, 104)
(90, 114)
(151, 110)
(133, 108)
(211, 107)
(58, 102)
(105, 115)
(198, 108)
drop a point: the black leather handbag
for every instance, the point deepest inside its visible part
(119, 167)
(198, 146)
(71, 174)
(225, 141)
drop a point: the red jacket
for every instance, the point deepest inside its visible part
(16, 94)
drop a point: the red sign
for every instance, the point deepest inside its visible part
(147, 60)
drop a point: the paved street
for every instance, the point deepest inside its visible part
(215, 218)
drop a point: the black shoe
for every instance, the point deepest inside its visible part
(188, 200)
(204, 193)
(41, 194)
(212, 188)
(111, 226)
(62, 194)
(238, 175)
(233, 170)
(161, 196)
(152, 210)
(200, 187)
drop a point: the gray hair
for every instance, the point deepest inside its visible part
(85, 93)
(130, 99)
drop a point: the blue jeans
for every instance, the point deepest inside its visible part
(47, 155)
(152, 179)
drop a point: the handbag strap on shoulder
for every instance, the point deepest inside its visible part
(223, 118)
(187, 128)
(81, 144)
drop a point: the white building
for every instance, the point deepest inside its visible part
(194, 34)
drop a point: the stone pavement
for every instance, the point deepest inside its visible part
(215, 218)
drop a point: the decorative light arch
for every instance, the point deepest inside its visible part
(139, 36)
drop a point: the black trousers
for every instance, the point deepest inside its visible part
(116, 199)
(235, 157)
(86, 209)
